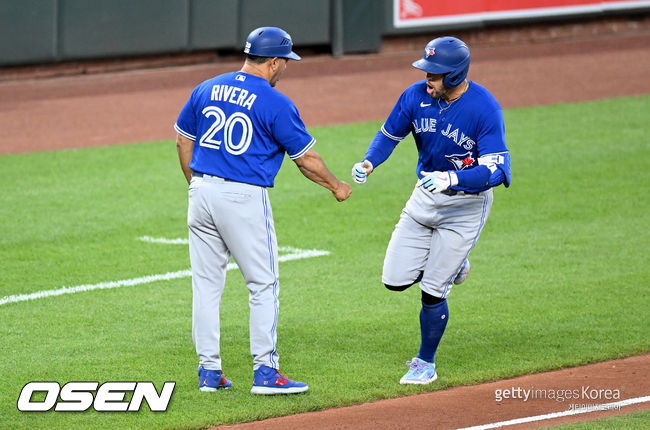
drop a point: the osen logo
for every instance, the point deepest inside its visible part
(108, 397)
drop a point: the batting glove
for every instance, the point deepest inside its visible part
(360, 171)
(437, 182)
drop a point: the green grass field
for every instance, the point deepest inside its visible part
(559, 277)
(635, 421)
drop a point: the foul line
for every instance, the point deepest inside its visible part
(293, 254)
(585, 410)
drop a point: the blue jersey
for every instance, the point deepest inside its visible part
(448, 136)
(241, 128)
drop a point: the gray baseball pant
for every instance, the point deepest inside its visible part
(230, 218)
(434, 236)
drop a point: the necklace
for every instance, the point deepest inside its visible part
(446, 107)
(451, 101)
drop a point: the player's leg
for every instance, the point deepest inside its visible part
(404, 265)
(257, 257)
(406, 254)
(209, 258)
(462, 222)
(434, 315)
(462, 219)
(246, 223)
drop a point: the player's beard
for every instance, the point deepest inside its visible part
(439, 93)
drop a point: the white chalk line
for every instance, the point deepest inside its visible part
(184, 241)
(163, 240)
(293, 254)
(585, 410)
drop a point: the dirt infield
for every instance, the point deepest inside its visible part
(49, 113)
(477, 405)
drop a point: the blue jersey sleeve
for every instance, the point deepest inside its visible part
(186, 123)
(499, 166)
(494, 159)
(395, 129)
(380, 149)
(398, 123)
(492, 149)
(492, 135)
(289, 131)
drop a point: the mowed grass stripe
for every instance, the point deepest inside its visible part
(559, 276)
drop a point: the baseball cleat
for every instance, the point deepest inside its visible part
(212, 380)
(462, 275)
(420, 373)
(269, 381)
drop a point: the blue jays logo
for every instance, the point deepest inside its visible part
(429, 51)
(461, 161)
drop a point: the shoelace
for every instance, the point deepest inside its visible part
(286, 380)
(417, 365)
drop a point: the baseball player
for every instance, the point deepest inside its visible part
(233, 133)
(459, 133)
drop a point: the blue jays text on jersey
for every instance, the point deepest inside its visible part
(428, 125)
(242, 128)
(460, 136)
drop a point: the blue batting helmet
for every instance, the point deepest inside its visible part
(270, 42)
(448, 56)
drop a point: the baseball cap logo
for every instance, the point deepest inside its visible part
(247, 49)
(429, 51)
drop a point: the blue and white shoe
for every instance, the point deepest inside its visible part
(212, 380)
(462, 275)
(269, 381)
(420, 372)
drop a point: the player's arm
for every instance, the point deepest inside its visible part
(185, 127)
(379, 150)
(313, 167)
(499, 167)
(290, 130)
(492, 170)
(494, 159)
(396, 128)
(184, 146)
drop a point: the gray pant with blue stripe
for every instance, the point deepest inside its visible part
(230, 218)
(434, 235)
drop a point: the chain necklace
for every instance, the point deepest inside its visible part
(446, 107)
(449, 103)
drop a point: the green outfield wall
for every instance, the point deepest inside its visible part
(47, 31)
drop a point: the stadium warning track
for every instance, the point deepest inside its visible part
(142, 105)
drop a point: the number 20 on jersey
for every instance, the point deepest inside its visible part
(222, 128)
